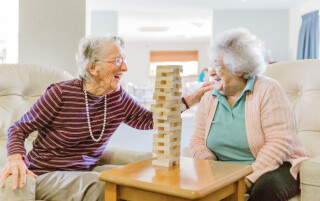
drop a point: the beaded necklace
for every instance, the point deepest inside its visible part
(88, 117)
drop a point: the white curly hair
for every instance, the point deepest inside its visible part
(89, 52)
(242, 52)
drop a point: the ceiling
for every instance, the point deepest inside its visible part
(178, 20)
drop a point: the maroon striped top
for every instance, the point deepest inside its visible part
(64, 142)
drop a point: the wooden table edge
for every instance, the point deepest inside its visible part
(183, 193)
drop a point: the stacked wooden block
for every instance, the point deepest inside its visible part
(167, 115)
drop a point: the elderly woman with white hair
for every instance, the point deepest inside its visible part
(248, 119)
(75, 120)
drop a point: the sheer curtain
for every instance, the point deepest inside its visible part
(308, 44)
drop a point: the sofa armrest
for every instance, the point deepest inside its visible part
(122, 156)
(310, 179)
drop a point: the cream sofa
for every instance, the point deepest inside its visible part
(301, 82)
(20, 87)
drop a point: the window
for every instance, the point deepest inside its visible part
(187, 59)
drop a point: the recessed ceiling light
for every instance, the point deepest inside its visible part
(153, 29)
(197, 24)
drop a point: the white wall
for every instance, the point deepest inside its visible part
(271, 26)
(49, 32)
(104, 22)
(138, 57)
(295, 20)
(9, 30)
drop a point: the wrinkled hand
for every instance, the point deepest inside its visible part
(195, 97)
(16, 167)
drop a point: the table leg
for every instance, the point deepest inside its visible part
(240, 191)
(111, 193)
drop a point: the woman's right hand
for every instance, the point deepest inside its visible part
(16, 167)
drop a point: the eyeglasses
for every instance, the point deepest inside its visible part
(216, 66)
(118, 61)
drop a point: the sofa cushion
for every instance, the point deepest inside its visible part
(310, 172)
(310, 179)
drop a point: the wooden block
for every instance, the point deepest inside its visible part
(172, 122)
(163, 123)
(166, 127)
(168, 83)
(162, 117)
(166, 112)
(167, 76)
(166, 143)
(166, 152)
(164, 96)
(171, 147)
(163, 164)
(162, 73)
(166, 163)
(173, 92)
(169, 68)
(173, 133)
(166, 159)
(159, 77)
(161, 128)
(167, 124)
(166, 90)
(168, 72)
(166, 138)
(166, 107)
(169, 93)
(167, 104)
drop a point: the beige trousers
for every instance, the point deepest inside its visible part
(58, 186)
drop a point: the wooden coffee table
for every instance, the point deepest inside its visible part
(192, 179)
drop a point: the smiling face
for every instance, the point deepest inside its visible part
(106, 73)
(226, 82)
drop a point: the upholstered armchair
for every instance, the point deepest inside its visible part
(301, 82)
(20, 87)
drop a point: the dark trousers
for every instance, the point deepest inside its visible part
(277, 185)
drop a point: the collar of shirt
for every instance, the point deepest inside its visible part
(248, 87)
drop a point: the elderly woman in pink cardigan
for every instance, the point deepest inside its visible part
(248, 119)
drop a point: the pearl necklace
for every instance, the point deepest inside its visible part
(88, 117)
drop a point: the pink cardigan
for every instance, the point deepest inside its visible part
(270, 127)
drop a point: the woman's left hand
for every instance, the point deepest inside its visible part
(195, 97)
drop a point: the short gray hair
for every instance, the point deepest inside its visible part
(243, 52)
(89, 51)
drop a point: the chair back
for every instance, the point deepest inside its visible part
(301, 82)
(20, 87)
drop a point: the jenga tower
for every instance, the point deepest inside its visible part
(167, 116)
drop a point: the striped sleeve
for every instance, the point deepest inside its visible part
(136, 115)
(39, 116)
